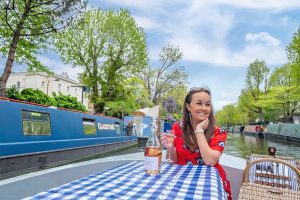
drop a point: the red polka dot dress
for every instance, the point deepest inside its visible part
(186, 157)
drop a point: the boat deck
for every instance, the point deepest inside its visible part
(32, 183)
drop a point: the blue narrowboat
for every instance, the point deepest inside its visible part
(32, 133)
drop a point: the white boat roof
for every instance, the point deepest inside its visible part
(151, 112)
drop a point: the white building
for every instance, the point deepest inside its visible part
(48, 84)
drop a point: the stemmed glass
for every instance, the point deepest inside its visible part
(170, 138)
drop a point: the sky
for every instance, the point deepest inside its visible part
(218, 38)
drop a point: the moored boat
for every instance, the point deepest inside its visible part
(35, 136)
(285, 131)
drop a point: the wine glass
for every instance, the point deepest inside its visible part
(170, 138)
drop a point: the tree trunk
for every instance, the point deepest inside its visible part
(12, 51)
(95, 97)
(2, 87)
(291, 119)
(261, 116)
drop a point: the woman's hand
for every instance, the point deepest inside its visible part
(202, 126)
(165, 142)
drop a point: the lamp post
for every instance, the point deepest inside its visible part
(83, 89)
(48, 84)
(106, 109)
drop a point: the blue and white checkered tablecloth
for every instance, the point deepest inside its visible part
(129, 181)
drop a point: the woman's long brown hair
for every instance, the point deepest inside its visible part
(189, 137)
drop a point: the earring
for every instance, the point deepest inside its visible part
(190, 115)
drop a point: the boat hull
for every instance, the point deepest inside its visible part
(36, 136)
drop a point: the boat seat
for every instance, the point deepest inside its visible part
(270, 178)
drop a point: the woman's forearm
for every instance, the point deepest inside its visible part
(209, 156)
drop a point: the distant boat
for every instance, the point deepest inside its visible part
(254, 130)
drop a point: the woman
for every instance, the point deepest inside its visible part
(197, 139)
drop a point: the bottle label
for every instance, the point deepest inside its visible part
(151, 163)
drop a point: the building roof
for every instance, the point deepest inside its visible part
(63, 77)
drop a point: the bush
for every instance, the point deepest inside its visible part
(68, 102)
(37, 96)
(12, 93)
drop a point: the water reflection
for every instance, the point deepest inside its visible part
(242, 145)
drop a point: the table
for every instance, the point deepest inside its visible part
(129, 181)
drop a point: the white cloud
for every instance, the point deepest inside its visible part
(262, 37)
(261, 4)
(201, 29)
(58, 67)
(146, 22)
(249, 4)
(271, 54)
(207, 41)
(239, 4)
(139, 4)
(261, 46)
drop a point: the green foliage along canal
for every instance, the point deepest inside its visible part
(242, 145)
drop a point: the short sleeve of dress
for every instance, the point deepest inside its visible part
(217, 142)
(178, 134)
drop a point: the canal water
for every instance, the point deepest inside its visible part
(241, 145)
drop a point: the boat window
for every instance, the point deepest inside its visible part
(89, 126)
(36, 123)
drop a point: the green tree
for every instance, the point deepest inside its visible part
(108, 46)
(244, 104)
(136, 89)
(256, 86)
(240, 118)
(293, 53)
(281, 100)
(282, 96)
(25, 27)
(226, 115)
(121, 108)
(162, 79)
(231, 115)
(281, 76)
